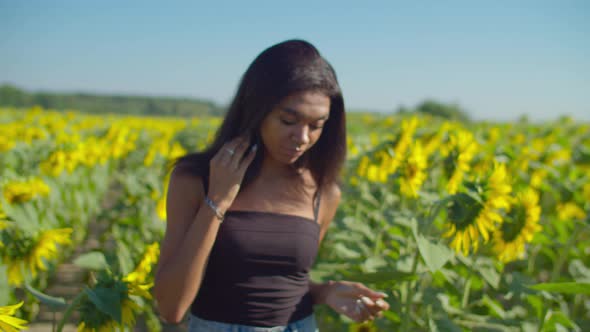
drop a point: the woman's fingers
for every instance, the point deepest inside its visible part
(230, 152)
(367, 309)
(364, 311)
(382, 304)
(227, 152)
(239, 152)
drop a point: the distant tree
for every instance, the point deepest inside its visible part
(403, 110)
(43, 99)
(151, 108)
(12, 96)
(447, 111)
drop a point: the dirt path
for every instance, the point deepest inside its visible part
(69, 279)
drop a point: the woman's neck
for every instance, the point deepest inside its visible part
(274, 170)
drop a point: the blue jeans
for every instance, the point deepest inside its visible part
(196, 324)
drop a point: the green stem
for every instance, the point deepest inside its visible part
(543, 316)
(466, 291)
(562, 256)
(467, 287)
(69, 310)
(409, 295)
(532, 259)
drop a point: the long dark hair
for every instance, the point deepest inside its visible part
(280, 70)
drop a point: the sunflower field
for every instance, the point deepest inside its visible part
(466, 226)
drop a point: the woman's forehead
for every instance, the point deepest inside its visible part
(306, 104)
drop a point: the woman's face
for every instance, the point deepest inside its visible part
(294, 125)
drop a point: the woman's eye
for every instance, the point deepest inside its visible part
(319, 125)
(288, 123)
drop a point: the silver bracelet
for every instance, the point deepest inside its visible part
(215, 209)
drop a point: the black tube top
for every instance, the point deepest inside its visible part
(258, 270)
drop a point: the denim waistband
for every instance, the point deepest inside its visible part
(196, 324)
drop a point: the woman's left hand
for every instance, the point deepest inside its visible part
(355, 300)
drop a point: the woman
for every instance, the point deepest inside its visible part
(246, 216)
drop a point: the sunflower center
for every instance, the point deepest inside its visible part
(463, 210)
(449, 163)
(411, 170)
(514, 224)
(17, 245)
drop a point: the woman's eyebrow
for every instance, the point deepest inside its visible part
(298, 115)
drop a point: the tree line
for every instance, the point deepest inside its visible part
(101, 104)
(168, 106)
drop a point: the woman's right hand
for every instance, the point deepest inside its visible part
(227, 169)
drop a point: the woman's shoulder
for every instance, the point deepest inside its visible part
(331, 193)
(186, 184)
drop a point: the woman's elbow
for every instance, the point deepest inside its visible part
(170, 313)
(172, 317)
(169, 310)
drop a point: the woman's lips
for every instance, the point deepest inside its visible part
(293, 152)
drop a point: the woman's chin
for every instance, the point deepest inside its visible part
(291, 156)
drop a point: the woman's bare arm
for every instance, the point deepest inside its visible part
(190, 235)
(192, 227)
(328, 207)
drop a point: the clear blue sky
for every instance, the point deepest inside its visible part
(497, 59)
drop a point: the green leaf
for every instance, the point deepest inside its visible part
(356, 226)
(494, 306)
(380, 276)
(564, 287)
(537, 303)
(56, 303)
(391, 316)
(106, 300)
(559, 318)
(579, 271)
(344, 252)
(444, 324)
(435, 255)
(373, 263)
(93, 261)
(124, 259)
(488, 271)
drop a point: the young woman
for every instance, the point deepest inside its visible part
(246, 216)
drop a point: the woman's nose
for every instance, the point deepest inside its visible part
(300, 135)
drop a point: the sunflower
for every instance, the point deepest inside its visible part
(161, 208)
(374, 171)
(144, 268)
(498, 188)
(6, 143)
(22, 251)
(161, 200)
(472, 215)
(413, 171)
(3, 222)
(8, 322)
(362, 327)
(570, 210)
(405, 140)
(122, 290)
(116, 294)
(537, 177)
(464, 222)
(519, 227)
(586, 192)
(23, 191)
(459, 153)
